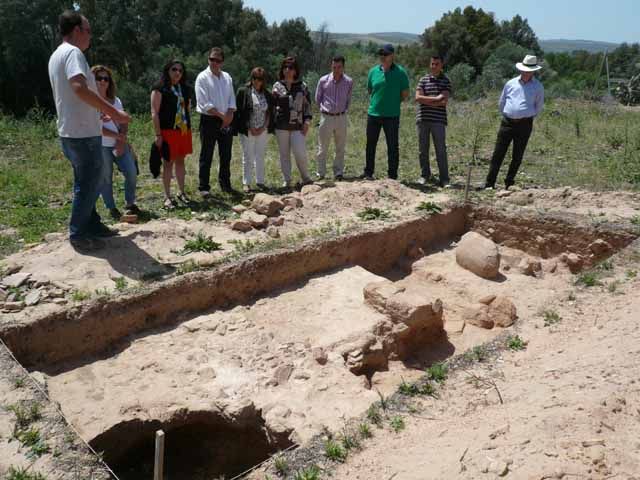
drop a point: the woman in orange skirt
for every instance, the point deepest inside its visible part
(170, 112)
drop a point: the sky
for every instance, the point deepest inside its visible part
(610, 21)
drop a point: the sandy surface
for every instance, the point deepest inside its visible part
(571, 403)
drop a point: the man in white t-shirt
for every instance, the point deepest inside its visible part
(78, 106)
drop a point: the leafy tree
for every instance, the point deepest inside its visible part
(463, 36)
(518, 31)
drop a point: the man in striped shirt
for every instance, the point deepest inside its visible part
(432, 96)
(333, 96)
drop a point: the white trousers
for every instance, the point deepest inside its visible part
(292, 141)
(253, 153)
(336, 127)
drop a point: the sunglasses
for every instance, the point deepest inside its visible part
(260, 79)
(288, 67)
(101, 78)
(215, 60)
(176, 69)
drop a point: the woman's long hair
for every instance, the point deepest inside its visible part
(111, 89)
(165, 79)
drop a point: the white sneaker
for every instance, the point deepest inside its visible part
(286, 184)
(204, 193)
(422, 181)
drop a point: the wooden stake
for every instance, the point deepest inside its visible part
(158, 466)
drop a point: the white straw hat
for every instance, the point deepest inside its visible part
(529, 64)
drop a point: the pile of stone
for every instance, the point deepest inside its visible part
(19, 290)
(264, 212)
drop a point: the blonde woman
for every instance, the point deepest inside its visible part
(115, 149)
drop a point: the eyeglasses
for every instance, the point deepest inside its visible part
(215, 60)
(176, 69)
(102, 78)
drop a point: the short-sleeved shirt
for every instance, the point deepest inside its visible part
(432, 86)
(111, 126)
(76, 119)
(386, 90)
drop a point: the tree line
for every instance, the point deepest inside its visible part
(136, 37)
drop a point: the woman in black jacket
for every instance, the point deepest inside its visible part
(253, 121)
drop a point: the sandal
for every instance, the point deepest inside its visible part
(169, 204)
(182, 197)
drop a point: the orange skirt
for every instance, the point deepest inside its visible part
(180, 144)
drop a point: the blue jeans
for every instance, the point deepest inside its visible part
(126, 164)
(85, 155)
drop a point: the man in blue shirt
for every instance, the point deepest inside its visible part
(521, 101)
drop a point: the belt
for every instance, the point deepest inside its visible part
(333, 114)
(518, 120)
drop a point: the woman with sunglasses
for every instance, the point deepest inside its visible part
(170, 112)
(115, 149)
(292, 119)
(253, 122)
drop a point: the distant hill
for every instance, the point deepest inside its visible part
(403, 38)
(558, 46)
(396, 38)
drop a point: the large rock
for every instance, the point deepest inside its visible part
(503, 312)
(255, 219)
(241, 225)
(267, 204)
(292, 201)
(15, 280)
(479, 255)
(415, 316)
(478, 315)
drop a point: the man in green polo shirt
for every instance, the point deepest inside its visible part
(388, 86)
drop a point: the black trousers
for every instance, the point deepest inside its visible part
(518, 132)
(211, 132)
(391, 127)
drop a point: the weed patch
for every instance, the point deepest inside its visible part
(516, 343)
(397, 423)
(438, 372)
(334, 451)
(80, 296)
(23, 474)
(281, 465)
(429, 208)
(310, 473)
(365, 430)
(588, 279)
(551, 317)
(371, 213)
(201, 243)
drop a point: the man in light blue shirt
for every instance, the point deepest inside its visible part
(521, 101)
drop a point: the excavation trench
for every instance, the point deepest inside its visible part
(241, 361)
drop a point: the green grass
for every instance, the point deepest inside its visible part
(371, 213)
(334, 451)
(477, 354)
(516, 343)
(36, 179)
(365, 430)
(374, 415)
(309, 473)
(23, 474)
(80, 296)
(25, 414)
(438, 372)
(397, 423)
(32, 440)
(588, 279)
(121, 283)
(281, 465)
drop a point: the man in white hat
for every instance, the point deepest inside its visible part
(521, 101)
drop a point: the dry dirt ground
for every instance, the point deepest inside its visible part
(571, 401)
